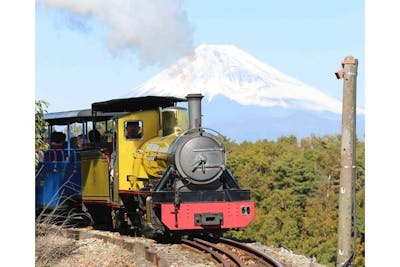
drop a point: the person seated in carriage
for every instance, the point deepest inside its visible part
(57, 140)
(94, 136)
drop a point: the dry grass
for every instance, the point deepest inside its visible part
(50, 246)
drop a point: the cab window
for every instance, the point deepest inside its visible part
(133, 129)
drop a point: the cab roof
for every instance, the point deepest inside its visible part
(136, 103)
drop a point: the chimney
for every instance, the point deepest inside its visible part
(194, 103)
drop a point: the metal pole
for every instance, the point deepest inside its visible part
(347, 171)
(69, 142)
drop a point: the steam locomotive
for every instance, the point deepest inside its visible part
(168, 179)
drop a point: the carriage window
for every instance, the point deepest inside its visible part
(133, 129)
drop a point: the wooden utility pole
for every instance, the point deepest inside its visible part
(347, 172)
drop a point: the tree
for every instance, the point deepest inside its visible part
(40, 129)
(295, 187)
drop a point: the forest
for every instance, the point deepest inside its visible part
(294, 184)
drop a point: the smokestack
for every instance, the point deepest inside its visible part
(194, 103)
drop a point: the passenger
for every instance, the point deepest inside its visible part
(57, 140)
(77, 141)
(94, 136)
(81, 141)
(74, 142)
(133, 130)
(57, 144)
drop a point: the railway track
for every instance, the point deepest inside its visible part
(230, 253)
(225, 252)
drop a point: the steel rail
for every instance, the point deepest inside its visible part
(228, 253)
(262, 256)
(204, 248)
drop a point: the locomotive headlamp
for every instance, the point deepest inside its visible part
(246, 210)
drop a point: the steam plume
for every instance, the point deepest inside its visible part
(158, 30)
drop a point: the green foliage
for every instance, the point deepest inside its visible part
(40, 129)
(295, 188)
(75, 129)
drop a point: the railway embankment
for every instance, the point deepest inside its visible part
(56, 246)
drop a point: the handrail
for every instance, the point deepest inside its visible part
(61, 155)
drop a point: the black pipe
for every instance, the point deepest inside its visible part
(164, 178)
(231, 180)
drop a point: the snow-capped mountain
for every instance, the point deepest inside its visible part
(228, 71)
(239, 87)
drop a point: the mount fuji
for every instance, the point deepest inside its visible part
(247, 99)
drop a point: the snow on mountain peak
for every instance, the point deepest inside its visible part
(226, 70)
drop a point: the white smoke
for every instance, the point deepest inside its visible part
(158, 30)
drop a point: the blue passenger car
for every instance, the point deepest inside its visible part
(58, 174)
(58, 179)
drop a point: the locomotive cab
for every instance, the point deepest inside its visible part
(114, 193)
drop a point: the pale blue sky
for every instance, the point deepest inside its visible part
(304, 39)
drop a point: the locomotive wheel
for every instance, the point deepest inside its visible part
(119, 223)
(101, 216)
(115, 219)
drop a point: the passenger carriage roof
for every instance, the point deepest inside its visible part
(136, 103)
(68, 117)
